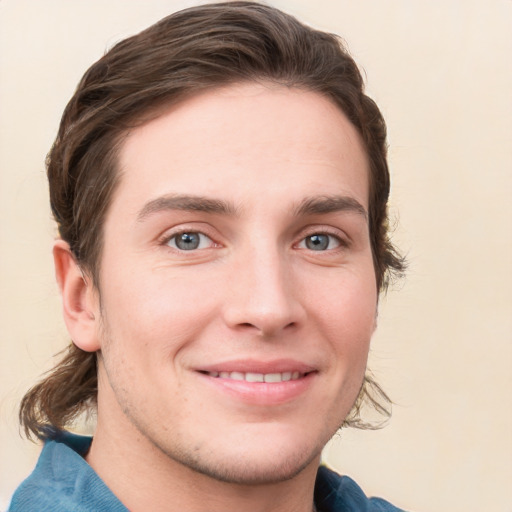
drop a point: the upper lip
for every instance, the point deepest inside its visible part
(258, 366)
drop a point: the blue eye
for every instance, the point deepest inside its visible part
(189, 241)
(320, 242)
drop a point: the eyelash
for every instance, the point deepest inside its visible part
(340, 241)
(174, 236)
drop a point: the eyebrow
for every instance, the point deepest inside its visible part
(186, 203)
(330, 204)
(309, 206)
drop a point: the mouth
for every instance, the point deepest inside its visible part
(258, 377)
(260, 383)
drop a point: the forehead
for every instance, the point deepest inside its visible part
(248, 140)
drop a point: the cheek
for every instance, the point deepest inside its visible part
(347, 300)
(348, 309)
(156, 309)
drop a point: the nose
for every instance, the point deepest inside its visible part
(263, 297)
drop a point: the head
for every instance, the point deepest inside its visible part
(181, 59)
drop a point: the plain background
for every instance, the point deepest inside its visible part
(441, 73)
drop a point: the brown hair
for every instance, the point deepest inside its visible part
(187, 52)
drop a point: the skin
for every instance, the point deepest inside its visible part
(260, 173)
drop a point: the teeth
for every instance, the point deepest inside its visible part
(258, 377)
(254, 377)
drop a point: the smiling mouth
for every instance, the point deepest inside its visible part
(259, 383)
(258, 377)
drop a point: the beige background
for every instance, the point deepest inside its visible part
(441, 73)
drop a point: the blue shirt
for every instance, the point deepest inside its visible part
(63, 482)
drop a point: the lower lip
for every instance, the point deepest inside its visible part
(262, 393)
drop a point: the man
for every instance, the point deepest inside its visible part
(220, 186)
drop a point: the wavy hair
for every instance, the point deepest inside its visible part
(190, 51)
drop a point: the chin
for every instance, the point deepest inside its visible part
(261, 468)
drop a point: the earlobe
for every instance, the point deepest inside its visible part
(79, 301)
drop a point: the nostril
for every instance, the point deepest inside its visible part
(266, 330)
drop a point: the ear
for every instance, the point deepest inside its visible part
(79, 299)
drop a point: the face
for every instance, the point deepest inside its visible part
(238, 293)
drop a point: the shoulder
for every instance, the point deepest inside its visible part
(335, 493)
(62, 481)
